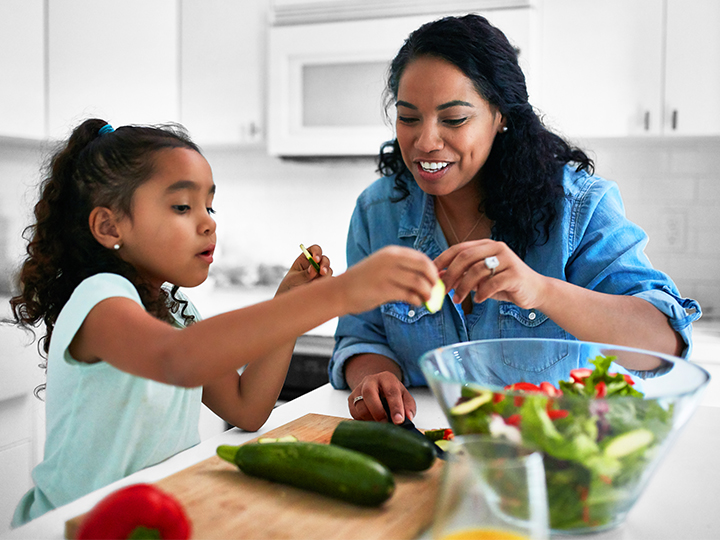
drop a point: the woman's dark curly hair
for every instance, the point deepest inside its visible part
(521, 181)
(90, 170)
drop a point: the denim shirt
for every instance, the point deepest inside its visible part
(592, 244)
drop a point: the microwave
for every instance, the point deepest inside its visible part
(326, 80)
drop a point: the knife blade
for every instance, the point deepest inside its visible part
(408, 425)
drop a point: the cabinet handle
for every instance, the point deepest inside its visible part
(646, 121)
(673, 121)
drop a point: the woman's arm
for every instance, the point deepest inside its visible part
(609, 318)
(586, 314)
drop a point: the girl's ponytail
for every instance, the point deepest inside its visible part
(97, 166)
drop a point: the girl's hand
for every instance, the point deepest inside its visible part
(462, 267)
(371, 388)
(391, 274)
(302, 271)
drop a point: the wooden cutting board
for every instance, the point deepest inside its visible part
(224, 503)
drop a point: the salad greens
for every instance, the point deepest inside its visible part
(597, 433)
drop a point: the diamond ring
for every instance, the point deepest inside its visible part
(491, 263)
(357, 398)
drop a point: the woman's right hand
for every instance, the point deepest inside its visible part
(391, 274)
(370, 407)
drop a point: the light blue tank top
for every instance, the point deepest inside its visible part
(102, 423)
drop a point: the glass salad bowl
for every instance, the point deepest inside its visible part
(603, 416)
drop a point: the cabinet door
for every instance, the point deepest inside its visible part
(223, 46)
(115, 60)
(601, 69)
(22, 69)
(692, 81)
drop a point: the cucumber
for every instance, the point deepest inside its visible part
(286, 438)
(437, 296)
(470, 405)
(330, 470)
(395, 447)
(629, 442)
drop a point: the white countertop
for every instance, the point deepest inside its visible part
(678, 504)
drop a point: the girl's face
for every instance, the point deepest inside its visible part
(445, 128)
(170, 235)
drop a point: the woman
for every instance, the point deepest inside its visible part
(527, 240)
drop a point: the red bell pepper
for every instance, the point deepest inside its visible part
(554, 414)
(578, 374)
(523, 386)
(136, 511)
(550, 390)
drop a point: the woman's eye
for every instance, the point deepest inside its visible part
(455, 121)
(406, 119)
(181, 208)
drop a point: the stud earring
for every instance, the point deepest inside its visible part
(116, 247)
(504, 129)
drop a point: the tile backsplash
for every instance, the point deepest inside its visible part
(267, 206)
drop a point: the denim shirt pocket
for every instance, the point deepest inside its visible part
(411, 331)
(516, 322)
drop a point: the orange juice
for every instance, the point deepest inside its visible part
(484, 534)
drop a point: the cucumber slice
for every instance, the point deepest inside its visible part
(629, 442)
(437, 296)
(286, 438)
(470, 405)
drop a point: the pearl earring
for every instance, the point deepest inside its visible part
(504, 129)
(116, 247)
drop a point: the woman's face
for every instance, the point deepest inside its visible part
(445, 128)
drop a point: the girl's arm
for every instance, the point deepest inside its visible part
(120, 332)
(246, 400)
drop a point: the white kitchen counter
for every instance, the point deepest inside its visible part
(678, 504)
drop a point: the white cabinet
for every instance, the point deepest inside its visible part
(326, 79)
(22, 69)
(692, 75)
(114, 60)
(223, 51)
(617, 68)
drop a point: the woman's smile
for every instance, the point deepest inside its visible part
(432, 170)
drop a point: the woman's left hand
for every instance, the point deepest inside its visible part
(302, 271)
(468, 266)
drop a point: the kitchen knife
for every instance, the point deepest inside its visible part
(407, 424)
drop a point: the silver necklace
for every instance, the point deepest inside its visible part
(457, 238)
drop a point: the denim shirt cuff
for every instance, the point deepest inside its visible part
(337, 363)
(681, 312)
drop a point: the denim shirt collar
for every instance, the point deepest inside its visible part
(418, 220)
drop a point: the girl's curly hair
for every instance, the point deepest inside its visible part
(521, 181)
(91, 169)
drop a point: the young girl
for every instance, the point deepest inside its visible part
(123, 213)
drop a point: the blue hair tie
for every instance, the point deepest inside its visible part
(107, 128)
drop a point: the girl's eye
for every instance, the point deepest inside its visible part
(455, 121)
(181, 208)
(211, 210)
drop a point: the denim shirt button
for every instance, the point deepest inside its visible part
(411, 313)
(532, 316)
